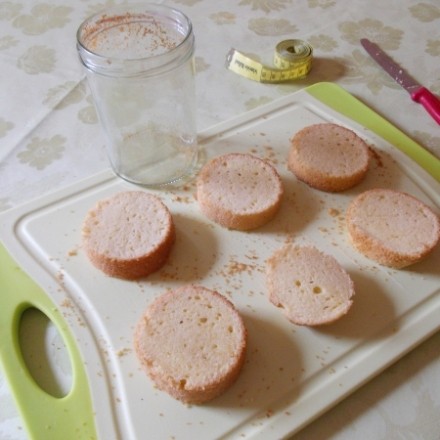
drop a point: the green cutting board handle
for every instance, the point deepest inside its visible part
(45, 416)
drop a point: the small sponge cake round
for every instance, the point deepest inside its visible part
(239, 191)
(328, 157)
(192, 343)
(128, 235)
(391, 227)
(311, 287)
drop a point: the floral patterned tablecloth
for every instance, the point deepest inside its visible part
(50, 136)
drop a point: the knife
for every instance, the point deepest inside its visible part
(418, 93)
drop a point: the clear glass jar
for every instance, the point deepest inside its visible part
(139, 61)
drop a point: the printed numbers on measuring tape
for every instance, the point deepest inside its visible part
(292, 60)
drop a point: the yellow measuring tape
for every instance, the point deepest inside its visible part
(292, 59)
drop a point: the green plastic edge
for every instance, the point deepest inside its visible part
(346, 104)
(44, 416)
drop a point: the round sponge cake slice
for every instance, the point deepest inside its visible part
(239, 191)
(128, 235)
(192, 343)
(391, 227)
(311, 287)
(328, 157)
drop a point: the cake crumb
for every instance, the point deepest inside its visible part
(333, 212)
(123, 352)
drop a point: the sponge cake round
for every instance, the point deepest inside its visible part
(192, 343)
(391, 227)
(239, 191)
(128, 235)
(311, 287)
(328, 157)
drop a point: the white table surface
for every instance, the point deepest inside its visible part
(50, 137)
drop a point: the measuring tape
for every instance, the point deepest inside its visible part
(292, 59)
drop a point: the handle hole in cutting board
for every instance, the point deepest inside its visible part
(44, 353)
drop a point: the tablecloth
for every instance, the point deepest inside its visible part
(50, 136)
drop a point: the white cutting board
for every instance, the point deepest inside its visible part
(292, 374)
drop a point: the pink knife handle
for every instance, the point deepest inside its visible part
(429, 101)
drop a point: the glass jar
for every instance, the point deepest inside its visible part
(139, 61)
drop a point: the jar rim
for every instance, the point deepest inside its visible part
(133, 10)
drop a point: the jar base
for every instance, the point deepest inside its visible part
(143, 178)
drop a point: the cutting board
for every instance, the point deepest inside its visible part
(292, 374)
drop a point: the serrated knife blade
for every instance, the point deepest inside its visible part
(418, 93)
